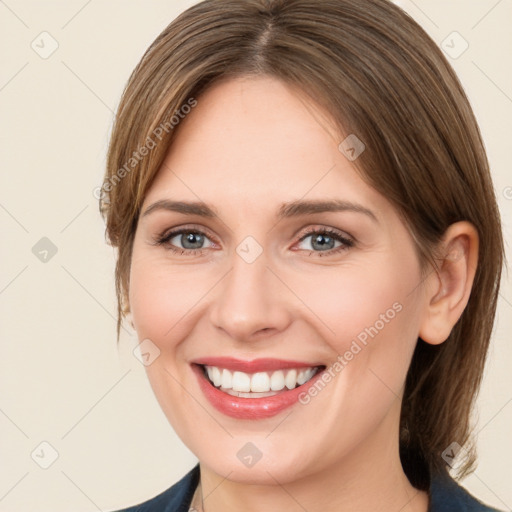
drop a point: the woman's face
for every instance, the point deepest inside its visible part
(271, 280)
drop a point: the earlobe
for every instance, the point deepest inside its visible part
(448, 287)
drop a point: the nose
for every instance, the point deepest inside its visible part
(251, 300)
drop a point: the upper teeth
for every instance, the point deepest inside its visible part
(259, 382)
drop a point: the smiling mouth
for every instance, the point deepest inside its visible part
(259, 384)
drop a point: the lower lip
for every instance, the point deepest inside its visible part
(250, 408)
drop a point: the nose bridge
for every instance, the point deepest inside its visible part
(248, 299)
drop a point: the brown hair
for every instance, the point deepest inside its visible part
(379, 76)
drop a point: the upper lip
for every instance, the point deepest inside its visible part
(253, 366)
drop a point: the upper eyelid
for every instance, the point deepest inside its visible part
(311, 230)
(303, 231)
(177, 230)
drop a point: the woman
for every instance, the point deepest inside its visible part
(310, 251)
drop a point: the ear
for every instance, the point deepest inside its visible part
(448, 287)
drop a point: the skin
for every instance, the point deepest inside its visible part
(250, 145)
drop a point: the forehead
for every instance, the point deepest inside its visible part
(258, 140)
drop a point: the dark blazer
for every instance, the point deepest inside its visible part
(446, 495)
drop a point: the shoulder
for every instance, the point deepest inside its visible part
(446, 495)
(175, 499)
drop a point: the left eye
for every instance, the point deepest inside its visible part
(322, 241)
(190, 240)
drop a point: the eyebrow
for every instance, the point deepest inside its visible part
(286, 210)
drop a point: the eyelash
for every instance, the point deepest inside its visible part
(164, 238)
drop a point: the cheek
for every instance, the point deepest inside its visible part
(361, 301)
(369, 318)
(161, 296)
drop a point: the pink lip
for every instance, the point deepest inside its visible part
(254, 366)
(250, 408)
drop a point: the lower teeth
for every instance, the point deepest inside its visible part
(241, 394)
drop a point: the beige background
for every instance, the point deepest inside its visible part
(63, 381)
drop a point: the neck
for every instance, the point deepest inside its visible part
(371, 477)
